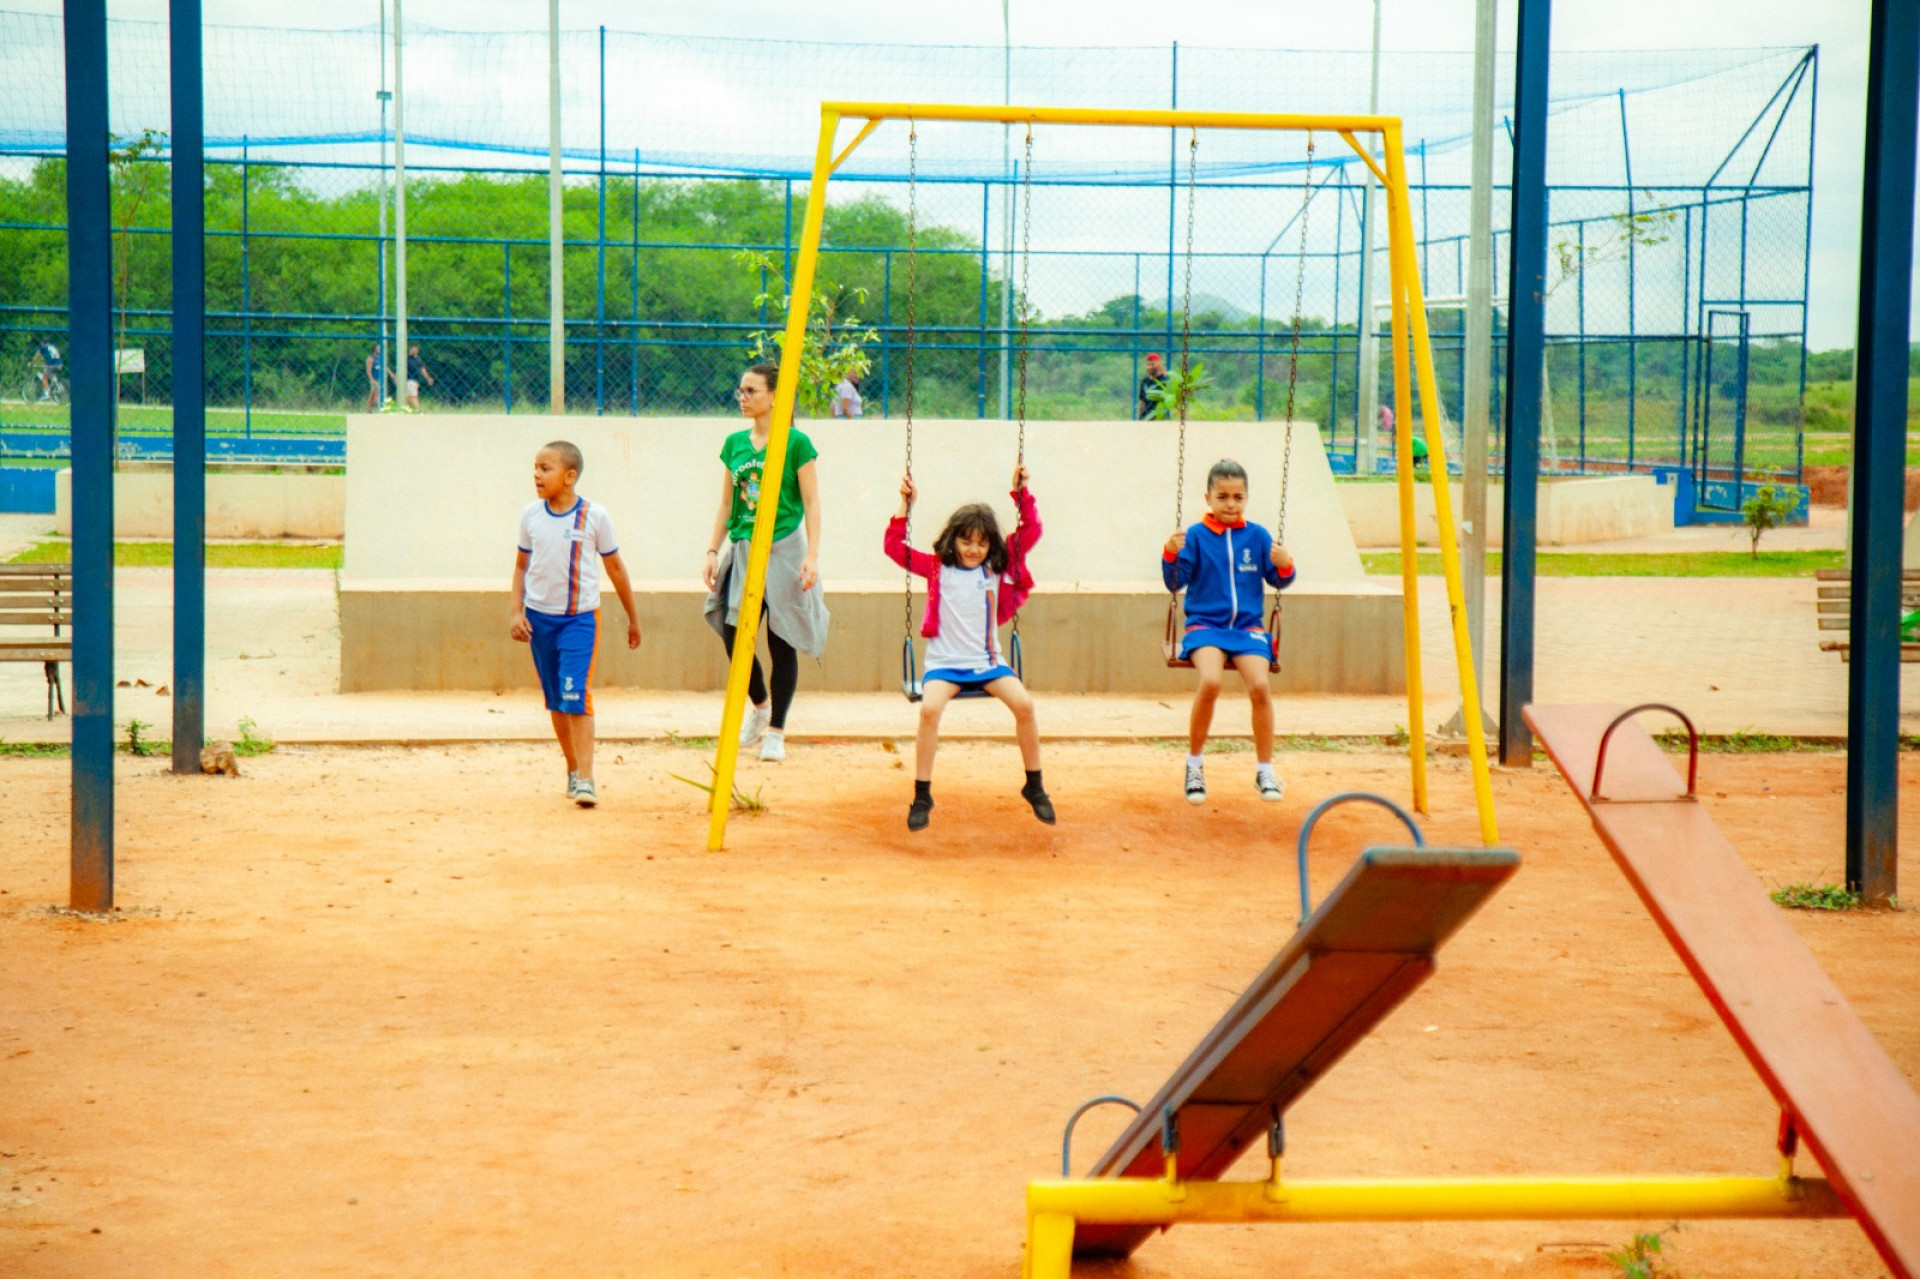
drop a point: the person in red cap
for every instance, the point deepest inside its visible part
(1155, 379)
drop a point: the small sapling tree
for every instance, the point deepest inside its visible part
(1767, 508)
(836, 341)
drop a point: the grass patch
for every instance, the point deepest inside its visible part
(1748, 741)
(1815, 897)
(219, 554)
(1302, 742)
(34, 750)
(1673, 564)
(142, 419)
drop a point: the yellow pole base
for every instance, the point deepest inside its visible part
(1055, 1207)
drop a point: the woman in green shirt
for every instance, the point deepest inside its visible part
(795, 613)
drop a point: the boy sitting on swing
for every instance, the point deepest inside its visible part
(1225, 564)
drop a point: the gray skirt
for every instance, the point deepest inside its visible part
(796, 616)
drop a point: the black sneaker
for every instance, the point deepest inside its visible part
(919, 814)
(1196, 784)
(1042, 806)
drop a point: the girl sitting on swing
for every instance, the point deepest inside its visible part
(1223, 562)
(976, 582)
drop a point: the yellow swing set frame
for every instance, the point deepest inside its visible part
(1411, 347)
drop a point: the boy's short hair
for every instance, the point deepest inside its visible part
(1225, 469)
(570, 459)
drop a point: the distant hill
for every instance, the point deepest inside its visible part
(1203, 304)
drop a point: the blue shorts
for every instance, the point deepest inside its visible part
(1233, 643)
(564, 646)
(967, 679)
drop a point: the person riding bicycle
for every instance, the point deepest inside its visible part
(47, 357)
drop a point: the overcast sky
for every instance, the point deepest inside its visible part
(1838, 26)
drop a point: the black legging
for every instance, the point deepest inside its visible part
(786, 671)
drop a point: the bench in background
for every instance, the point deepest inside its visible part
(36, 621)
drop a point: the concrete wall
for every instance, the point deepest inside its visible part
(1587, 509)
(244, 507)
(432, 505)
(440, 497)
(1090, 638)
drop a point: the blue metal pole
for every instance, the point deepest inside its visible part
(886, 331)
(189, 387)
(1806, 260)
(634, 264)
(1526, 346)
(1686, 347)
(980, 339)
(1580, 315)
(600, 265)
(1633, 346)
(1133, 343)
(1260, 350)
(1173, 183)
(1333, 332)
(506, 328)
(89, 306)
(246, 296)
(1879, 450)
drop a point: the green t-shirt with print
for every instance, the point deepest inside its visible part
(746, 464)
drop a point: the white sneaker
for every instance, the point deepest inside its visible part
(1196, 784)
(754, 723)
(1272, 789)
(573, 783)
(584, 794)
(774, 745)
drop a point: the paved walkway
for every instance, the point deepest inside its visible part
(1738, 653)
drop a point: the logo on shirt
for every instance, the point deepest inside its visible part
(1246, 560)
(579, 535)
(747, 484)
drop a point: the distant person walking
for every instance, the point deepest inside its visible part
(47, 357)
(1155, 380)
(376, 376)
(417, 372)
(846, 397)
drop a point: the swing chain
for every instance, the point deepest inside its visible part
(1186, 334)
(1293, 358)
(913, 211)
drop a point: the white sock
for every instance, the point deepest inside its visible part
(1263, 771)
(1193, 761)
(777, 732)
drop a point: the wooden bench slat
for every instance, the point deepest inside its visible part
(1908, 652)
(35, 570)
(34, 617)
(49, 653)
(1846, 574)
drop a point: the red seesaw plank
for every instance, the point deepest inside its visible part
(1847, 1099)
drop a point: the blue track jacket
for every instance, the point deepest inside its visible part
(1223, 568)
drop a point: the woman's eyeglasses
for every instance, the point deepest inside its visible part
(746, 393)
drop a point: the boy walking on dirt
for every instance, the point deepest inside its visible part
(556, 602)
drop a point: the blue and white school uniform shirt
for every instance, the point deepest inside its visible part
(563, 556)
(969, 638)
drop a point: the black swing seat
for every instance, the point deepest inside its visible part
(910, 669)
(1170, 645)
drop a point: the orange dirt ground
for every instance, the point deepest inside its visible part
(385, 1012)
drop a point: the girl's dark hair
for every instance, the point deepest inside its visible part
(974, 517)
(1225, 469)
(769, 373)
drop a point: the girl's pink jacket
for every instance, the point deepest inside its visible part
(1015, 584)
